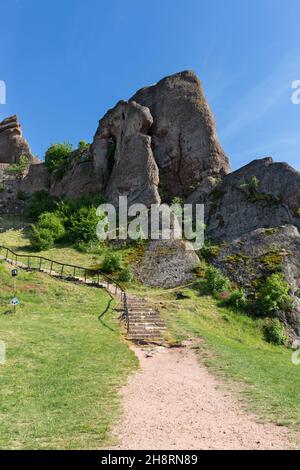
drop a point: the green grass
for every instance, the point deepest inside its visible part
(59, 386)
(231, 344)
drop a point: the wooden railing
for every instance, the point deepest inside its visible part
(69, 272)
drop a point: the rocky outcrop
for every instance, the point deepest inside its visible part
(183, 133)
(78, 180)
(167, 263)
(260, 195)
(12, 142)
(250, 259)
(36, 179)
(123, 156)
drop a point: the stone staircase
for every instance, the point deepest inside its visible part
(145, 323)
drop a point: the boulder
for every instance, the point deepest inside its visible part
(262, 194)
(184, 140)
(251, 258)
(12, 142)
(123, 157)
(167, 263)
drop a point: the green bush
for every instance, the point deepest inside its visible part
(216, 281)
(57, 158)
(83, 146)
(237, 300)
(274, 331)
(111, 263)
(48, 229)
(82, 225)
(125, 275)
(209, 251)
(40, 202)
(41, 238)
(51, 221)
(18, 169)
(273, 295)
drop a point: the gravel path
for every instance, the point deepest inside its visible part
(173, 402)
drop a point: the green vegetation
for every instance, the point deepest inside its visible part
(59, 387)
(125, 275)
(18, 169)
(57, 158)
(76, 221)
(111, 263)
(251, 189)
(40, 202)
(216, 282)
(236, 300)
(274, 331)
(230, 342)
(48, 230)
(274, 296)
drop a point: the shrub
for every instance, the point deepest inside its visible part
(236, 299)
(209, 251)
(40, 202)
(111, 263)
(274, 331)
(18, 169)
(41, 238)
(82, 225)
(83, 146)
(216, 281)
(125, 275)
(51, 221)
(48, 229)
(57, 158)
(274, 295)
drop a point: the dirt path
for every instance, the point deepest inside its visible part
(173, 402)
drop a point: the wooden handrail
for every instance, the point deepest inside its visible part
(98, 272)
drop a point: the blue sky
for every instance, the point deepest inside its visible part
(66, 62)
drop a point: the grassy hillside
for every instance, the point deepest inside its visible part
(231, 344)
(59, 385)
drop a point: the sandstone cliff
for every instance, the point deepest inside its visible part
(12, 142)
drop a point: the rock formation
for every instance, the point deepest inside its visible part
(250, 259)
(123, 156)
(12, 142)
(167, 263)
(162, 144)
(261, 194)
(183, 133)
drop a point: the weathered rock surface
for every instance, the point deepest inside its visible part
(260, 195)
(12, 142)
(250, 259)
(79, 179)
(123, 155)
(36, 179)
(184, 140)
(167, 263)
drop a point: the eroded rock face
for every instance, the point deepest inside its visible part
(167, 263)
(250, 259)
(260, 195)
(123, 156)
(12, 142)
(79, 179)
(184, 139)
